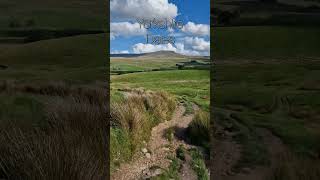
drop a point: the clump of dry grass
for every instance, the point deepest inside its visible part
(291, 166)
(199, 129)
(73, 143)
(93, 93)
(136, 114)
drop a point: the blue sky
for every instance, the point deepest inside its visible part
(128, 37)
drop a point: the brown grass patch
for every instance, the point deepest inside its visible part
(73, 143)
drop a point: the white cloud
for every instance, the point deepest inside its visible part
(129, 9)
(181, 49)
(196, 29)
(126, 29)
(198, 44)
(147, 48)
(192, 46)
(120, 52)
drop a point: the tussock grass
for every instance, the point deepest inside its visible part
(199, 129)
(95, 94)
(71, 144)
(132, 119)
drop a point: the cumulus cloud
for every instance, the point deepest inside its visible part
(182, 50)
(147, 48)
(196, 29)
(120, 52)
(198, 44)
(126, 29)
(129, 9)
(192, 46)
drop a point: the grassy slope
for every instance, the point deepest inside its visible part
(84, 14)
(72, 58)
(256, 42)
(279, 95)
(68, 60)
(141, 64)
(190, 84)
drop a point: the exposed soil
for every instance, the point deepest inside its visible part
(158, 149)
(227, 153)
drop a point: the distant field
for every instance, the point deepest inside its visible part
(267, 43)
(61, 14)
(268, 12)
(136, 64)
(57, 59)
(149, 63)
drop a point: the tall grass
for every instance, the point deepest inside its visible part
(293, 167)
(72, 143)
(132, 119)
(199, 129)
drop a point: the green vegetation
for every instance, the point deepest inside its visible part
(198, 164)
(52, 14)
(188, 87)
(192, 85)
(181, 153)
(169, 133)
(268, 77)
(49, 134)
(172, 172)
(132, 120)
(53, 121)
(266, 43)
(199, 129)
(121, 65)
(66, 59)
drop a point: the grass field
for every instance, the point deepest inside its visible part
(266, 43)
(193, 85)
(67, 59)
(267, 77)
(53, 93)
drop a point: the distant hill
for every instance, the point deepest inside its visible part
(157, 54)
(161, 54)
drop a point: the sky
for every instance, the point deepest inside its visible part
(128, 36)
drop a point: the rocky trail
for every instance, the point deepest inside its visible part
(153, 158)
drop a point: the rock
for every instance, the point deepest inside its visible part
(144, 150)
(148, 155)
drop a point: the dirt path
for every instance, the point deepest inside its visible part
(154, 158)
(227, 153)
